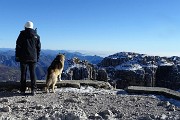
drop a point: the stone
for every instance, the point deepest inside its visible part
(71, 100)
(56, 115)
(147, 117)
(6, 109)
(171, 108)
(134, 99)
(106, 114)
(39, 107)
(44, 117)
(163, 117)
(95, 117)
(164, 103)
(4, 100)
(72, 116)
(23, 101)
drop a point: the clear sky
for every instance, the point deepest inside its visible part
(144, 26)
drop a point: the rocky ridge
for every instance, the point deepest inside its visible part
(128, 68)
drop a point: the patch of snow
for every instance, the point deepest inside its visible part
(114, 58)
(174, 58)
(88, 89)
(120, 55)
(166, 64)
(143, 55)
(77, 66)
(150, 66)
(131, 67)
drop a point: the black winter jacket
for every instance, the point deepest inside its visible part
(28, 46)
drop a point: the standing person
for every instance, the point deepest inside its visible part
(27, 52)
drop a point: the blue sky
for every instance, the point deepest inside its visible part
(102, 26)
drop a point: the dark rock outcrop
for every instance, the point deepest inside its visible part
(168, 76)
(80, 70)
(127, 78)
(102, 75)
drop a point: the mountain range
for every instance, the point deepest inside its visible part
(9, 68)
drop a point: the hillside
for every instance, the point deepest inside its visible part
(9, 73)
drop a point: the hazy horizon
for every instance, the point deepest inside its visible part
(149, 27)
(102, 53)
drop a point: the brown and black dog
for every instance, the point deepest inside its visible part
(54, 72)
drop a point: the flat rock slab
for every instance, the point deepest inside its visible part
(9, 85)
(154, 90)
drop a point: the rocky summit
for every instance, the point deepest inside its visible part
(128, 68)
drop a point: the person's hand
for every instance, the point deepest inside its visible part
(17, 59)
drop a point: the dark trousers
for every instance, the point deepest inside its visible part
(32, 66)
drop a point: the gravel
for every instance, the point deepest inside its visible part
(86, 103)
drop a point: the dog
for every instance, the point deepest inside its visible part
(54, 72)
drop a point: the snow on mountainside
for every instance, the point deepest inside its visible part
(135, 58)
(128, 66)
(135, 61)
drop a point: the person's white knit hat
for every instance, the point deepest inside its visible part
(29, 24)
